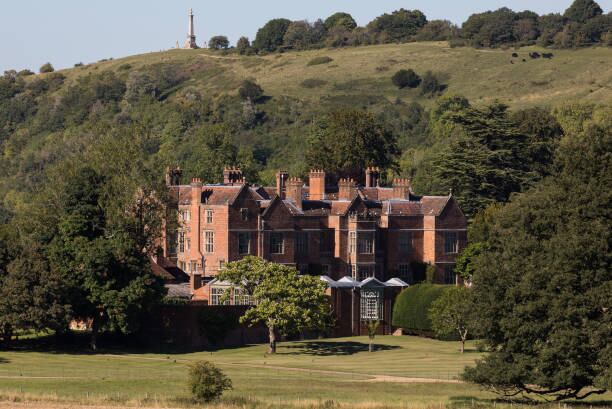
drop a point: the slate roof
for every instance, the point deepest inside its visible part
(378, 200)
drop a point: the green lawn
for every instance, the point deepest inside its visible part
(255, 374)
(331, 369)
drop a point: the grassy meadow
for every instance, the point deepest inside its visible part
(404, 372)
(361, 75)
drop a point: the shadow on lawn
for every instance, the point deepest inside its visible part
(473, 402)
(323, 348)
(4, 360)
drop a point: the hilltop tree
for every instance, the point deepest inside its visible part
(284, 301)
(543, 285)
(346, 142)
(301, 35)
(243, 45)
(582, 10)
(218, 43)
(271, 35)
(399, 26)
(342, 20)
(46, 68)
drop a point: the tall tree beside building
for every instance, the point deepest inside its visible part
(101, 261)
(346, 142)
(542, 283)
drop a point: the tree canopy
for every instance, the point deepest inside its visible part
(284, 301)
(543, 284)
(346, 142)
(271, 35)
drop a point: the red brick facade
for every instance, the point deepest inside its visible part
(339, 230)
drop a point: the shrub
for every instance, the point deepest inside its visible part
(320, 60)
(430, 85)
(412, 305)
(406, 78)
(313, 83)
(207, 382)
(250, 90)
(46, 68)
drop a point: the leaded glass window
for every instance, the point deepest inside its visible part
(371, 304)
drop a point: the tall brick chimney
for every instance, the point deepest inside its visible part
(294, 191)
(372, 177)
(232, 176)
(317, 184)
(281, 183)
(401, 188)
(347, 189)
(195, 256)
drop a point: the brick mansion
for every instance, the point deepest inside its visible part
(366, 241)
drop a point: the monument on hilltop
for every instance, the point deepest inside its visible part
(191, 38)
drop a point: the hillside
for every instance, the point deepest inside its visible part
(363, 72)
(185, 103)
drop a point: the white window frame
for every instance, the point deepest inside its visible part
(209, 216)
(209, 241)
(352, 242)
(365, 242)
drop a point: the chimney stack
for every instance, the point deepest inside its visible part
(281, 181)
(401, 188)
(317, 184)
(372, 177)
(347, 189)
(294, 191)
(232, 176)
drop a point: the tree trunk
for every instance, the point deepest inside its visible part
(272, 346)
(462, 345)
(371, 346)
(95, 327)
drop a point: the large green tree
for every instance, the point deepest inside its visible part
(399, 26)
(346, 142)
(271, 35)
(543, 284)
(284, 301)
(582, 10)
(480, 154)
(102, 259)
(342, 20)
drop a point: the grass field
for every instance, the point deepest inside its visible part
(362, 74)
(403, 370)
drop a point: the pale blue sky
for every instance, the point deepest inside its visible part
(64, 32)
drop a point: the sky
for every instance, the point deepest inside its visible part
(65, 32)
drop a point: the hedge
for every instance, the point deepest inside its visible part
(412, 305)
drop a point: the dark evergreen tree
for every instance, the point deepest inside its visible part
(218, 43)
(543, 283)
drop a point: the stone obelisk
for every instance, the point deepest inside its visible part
(191, 38)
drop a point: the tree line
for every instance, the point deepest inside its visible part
(582, 24)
